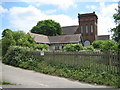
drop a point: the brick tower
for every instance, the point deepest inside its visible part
(88, 27)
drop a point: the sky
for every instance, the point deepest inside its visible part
(24, 14)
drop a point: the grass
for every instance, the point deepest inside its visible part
(6, 83)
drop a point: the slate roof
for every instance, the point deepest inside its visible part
(69, 30)
(61, 39)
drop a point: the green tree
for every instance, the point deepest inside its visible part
(47, 27)
(116, 30)
(11, 38)
(6, 32)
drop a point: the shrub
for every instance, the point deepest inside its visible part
(97, 44)
(20, 56)
(41, 46)
(105, 45)
(89, 48)
(73, 47)
(109, 45)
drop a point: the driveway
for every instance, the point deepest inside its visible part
(31, 79)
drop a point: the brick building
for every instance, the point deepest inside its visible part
(87, 28)
(84, 33)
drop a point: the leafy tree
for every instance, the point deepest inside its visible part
(11, 38)
(116, 30)
(47, 27)
(6, 32)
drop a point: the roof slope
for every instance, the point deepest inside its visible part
(40, 38)
(63, 39)
(75, 38)
(69, 30)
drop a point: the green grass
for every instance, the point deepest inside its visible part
(6, 83)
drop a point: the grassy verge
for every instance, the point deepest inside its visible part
(6, 83)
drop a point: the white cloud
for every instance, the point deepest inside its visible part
(93, 7)
(105, 18)
(3, 10)
(50, 11)
(24, 18)
(62, 4)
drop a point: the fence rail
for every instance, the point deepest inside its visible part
(106, 61)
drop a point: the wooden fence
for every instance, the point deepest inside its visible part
(105, 61)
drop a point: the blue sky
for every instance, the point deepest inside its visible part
(25, 14)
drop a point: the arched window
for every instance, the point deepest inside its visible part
(86, 28)
(87, 43)
(81, 29)
(91, 28)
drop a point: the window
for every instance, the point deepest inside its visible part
(91, 27)
(81, 29)
(86, 28)
(56, 47)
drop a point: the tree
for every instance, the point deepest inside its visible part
(6, 32)
(11, 38)
(47, 27)
(116, 30)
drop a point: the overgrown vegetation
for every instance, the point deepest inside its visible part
(28, 58)
(19, 38)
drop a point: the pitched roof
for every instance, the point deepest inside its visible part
(69, 30)
(75, 38)
(40, 38)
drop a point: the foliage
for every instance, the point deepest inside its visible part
(97, 44)
(116, 30)
(6, 32)
(11, 38)
(89, 48)
(41, 46)
(73, 47)
(47, 27)
(27, 58)
(20, 56)
(105, 45)
(109, 45)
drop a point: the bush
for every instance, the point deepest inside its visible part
(105, 45)
(20, 56)
(73, 47)
(41, 46)
(97, 44)
(89, 48)
(109, 45)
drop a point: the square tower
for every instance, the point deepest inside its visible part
(88, 27)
